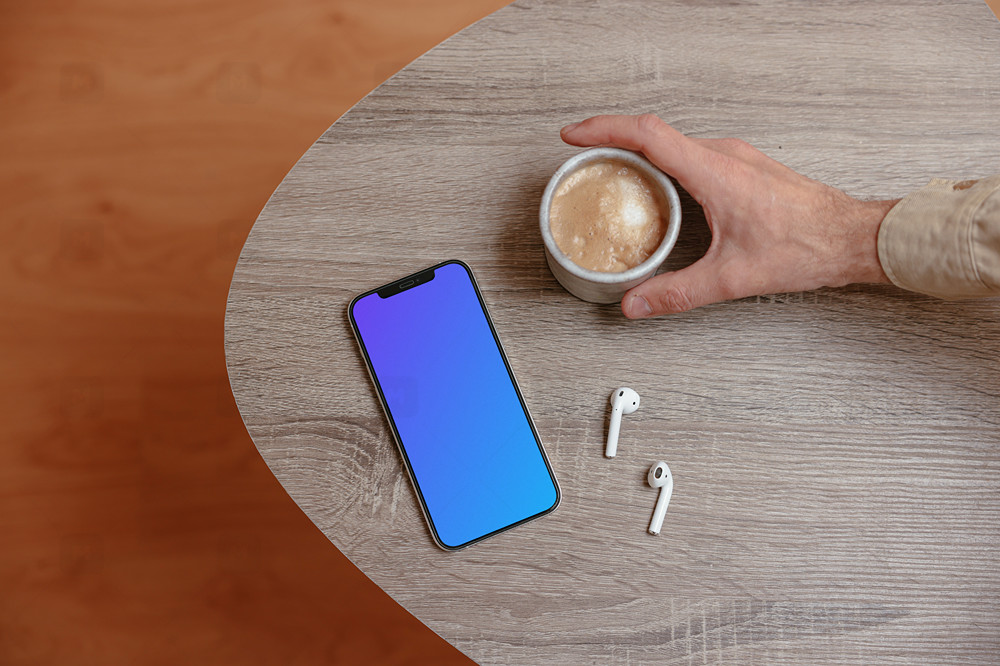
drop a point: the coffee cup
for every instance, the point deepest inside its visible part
(606, 206)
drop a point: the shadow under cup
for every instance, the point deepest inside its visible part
(597, 286)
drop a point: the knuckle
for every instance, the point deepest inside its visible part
(673, 300)
(649, 123)
(738, 146)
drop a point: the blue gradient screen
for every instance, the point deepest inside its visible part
(476, 461)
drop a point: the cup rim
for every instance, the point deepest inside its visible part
(632, 159)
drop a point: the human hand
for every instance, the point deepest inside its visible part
(773, 230)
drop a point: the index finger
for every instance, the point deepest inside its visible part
(683, 158)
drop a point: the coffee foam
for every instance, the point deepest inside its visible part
(608, 216)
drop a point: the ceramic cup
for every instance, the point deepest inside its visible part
(596, 286)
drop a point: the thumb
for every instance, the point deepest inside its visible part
(699, 284)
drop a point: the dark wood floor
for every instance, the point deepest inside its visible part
(139, 141)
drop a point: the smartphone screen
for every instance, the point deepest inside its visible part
(462, 427)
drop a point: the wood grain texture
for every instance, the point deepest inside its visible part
(835, 453)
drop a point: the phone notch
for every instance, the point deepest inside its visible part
(409, 282)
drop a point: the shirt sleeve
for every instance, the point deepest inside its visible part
(944, 239)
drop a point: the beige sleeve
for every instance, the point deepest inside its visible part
(944, 239)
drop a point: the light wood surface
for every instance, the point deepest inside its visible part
(836, 453)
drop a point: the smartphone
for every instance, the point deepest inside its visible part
(455, 410)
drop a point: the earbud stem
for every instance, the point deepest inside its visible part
(660, 511)
(616, 423)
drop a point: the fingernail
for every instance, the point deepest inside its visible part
(571, 127)
(637, 307)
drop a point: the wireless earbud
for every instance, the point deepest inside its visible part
(623, 401)
(660, 477)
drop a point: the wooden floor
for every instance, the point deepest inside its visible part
(139, 141)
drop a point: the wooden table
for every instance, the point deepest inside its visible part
(836, 453)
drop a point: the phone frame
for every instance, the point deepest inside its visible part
(402, 284)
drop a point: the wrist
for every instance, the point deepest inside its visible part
(863, 264)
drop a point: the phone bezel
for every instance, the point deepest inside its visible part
(392, 288)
